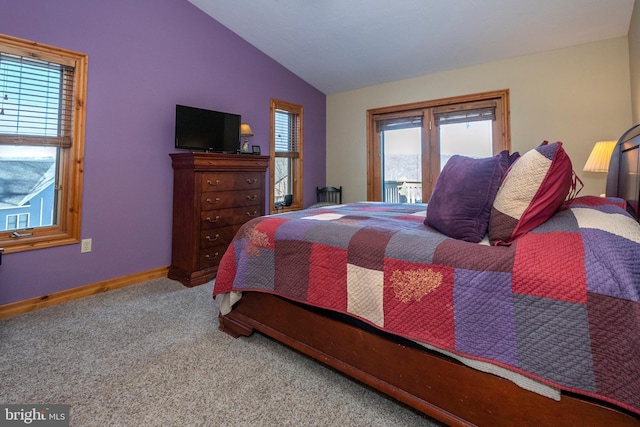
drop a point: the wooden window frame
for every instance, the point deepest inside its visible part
(70, 159)
(297, 160)
(431, 151)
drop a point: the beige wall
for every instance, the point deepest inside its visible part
(577, 95)
(634, 61)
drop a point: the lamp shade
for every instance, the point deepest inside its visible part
(245, 130)
(600, 156)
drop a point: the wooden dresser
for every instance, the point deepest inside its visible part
(213, 195)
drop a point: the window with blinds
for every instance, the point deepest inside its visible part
(286, 130)
(286, 155)
(35, 101)
(42, 113)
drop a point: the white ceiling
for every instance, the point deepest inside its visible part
(339, 45)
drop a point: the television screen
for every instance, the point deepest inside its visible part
(206, 130)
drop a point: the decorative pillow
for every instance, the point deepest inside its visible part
(460, 205)
(532, 190)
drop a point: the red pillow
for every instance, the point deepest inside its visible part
(531, 192)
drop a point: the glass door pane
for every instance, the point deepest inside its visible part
(402, 165)
(472, 139)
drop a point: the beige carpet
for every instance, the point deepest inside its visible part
(151, 355)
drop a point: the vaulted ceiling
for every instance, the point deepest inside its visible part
(339, 45)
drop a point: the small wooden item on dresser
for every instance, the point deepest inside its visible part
(213, 195)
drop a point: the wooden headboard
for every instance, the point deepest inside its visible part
(623, 178)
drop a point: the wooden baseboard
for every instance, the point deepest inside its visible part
(20, 307)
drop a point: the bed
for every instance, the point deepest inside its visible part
(541, 329)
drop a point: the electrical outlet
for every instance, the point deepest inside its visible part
(85, 246)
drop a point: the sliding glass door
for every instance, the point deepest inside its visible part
(408, 147)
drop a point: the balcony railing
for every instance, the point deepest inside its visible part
(403, 191)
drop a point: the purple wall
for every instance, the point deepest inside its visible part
(145, 56)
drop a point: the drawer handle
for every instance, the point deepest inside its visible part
(252, 181)
(255, 213)
(213, 184)
(212, 202)
(212, 239)
(213, 220)
(252, 197)
(207, 256)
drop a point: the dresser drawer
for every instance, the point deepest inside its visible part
(230, 181)
(232, 216)
(211, 256)
(230, 199)
(218, 236)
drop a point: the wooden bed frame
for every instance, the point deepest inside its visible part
(434, 384)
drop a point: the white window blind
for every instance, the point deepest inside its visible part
(454, 114)
(287, 140)
(395, 123)
(36, 101)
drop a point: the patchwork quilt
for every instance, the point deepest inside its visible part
(560, 305)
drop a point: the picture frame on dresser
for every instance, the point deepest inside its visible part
(214, 194)
(255, 149)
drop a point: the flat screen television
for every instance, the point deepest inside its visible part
(198, 129)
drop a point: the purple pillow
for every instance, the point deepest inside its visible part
(460, 205)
